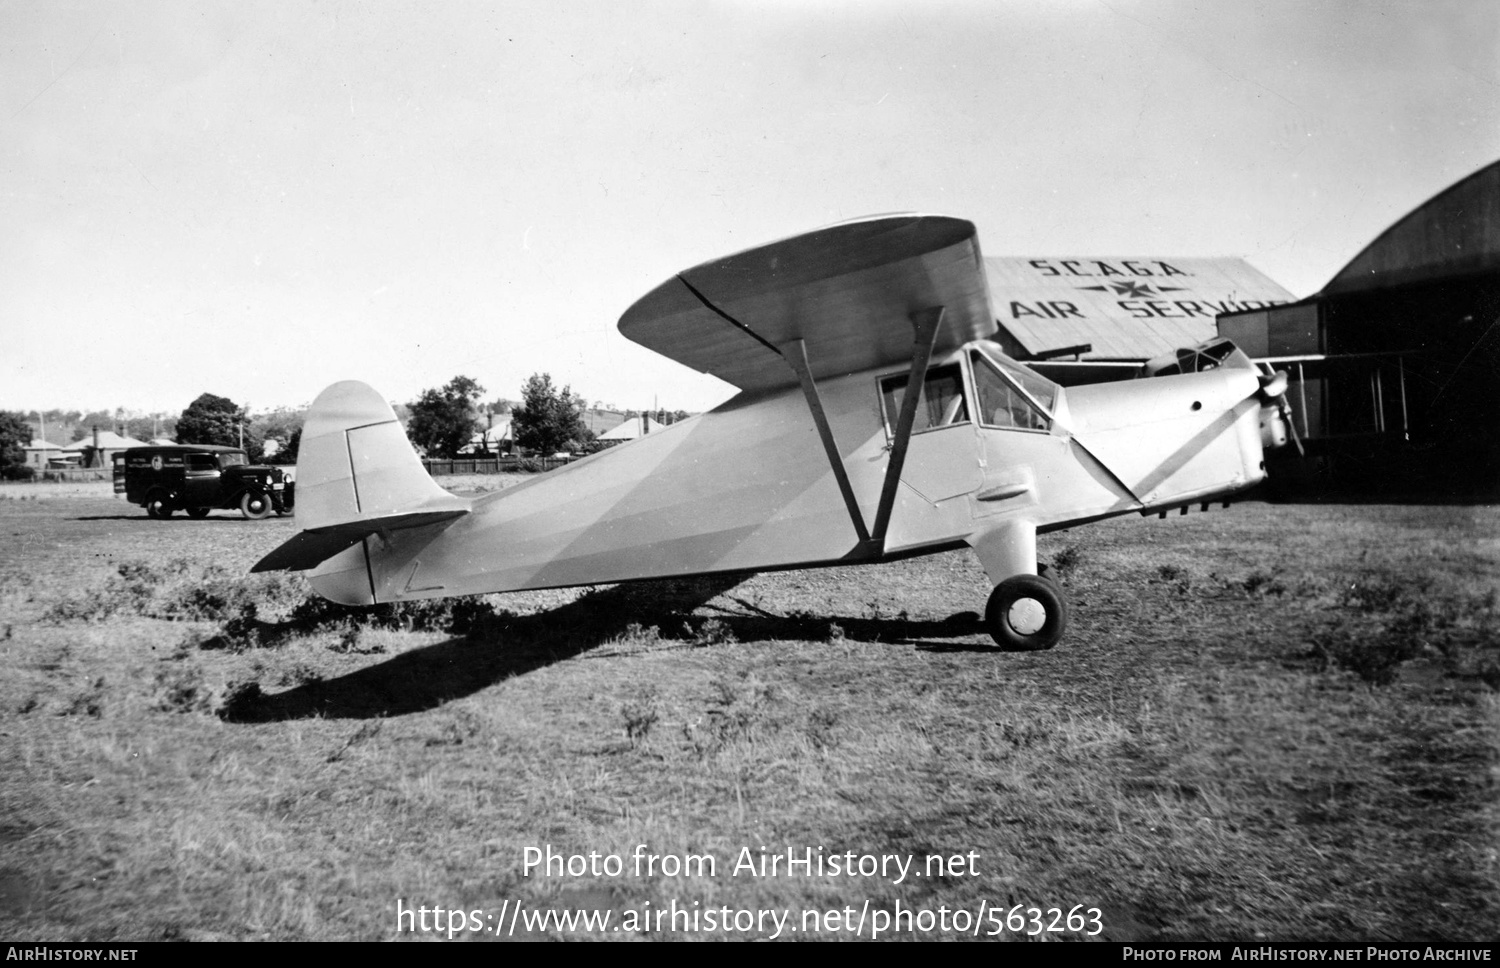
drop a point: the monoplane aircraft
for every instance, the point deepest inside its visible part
(875, 421)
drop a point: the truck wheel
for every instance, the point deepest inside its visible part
(159, 505)
(255, 505)
(198, 512)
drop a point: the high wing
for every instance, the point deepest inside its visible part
(847, 291)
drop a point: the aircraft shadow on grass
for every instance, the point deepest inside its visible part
(502, 646)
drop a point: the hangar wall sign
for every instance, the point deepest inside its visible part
(1126, 308)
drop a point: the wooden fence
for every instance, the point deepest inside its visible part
(437, 468)
(492, 465)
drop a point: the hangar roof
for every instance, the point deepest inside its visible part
(1456, 232)
(1127, 307)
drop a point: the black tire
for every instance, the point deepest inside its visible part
(198, 512)
(255, 505)
(1026, 613)
(159, 505)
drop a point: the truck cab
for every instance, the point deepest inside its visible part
(199, 478)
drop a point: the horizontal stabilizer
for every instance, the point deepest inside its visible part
(311, 548)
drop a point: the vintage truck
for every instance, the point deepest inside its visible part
(199, 478)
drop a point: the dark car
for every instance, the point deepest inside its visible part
(199, 478)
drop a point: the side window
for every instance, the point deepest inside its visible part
(1001, 404)
(942, 402)
(201, 464)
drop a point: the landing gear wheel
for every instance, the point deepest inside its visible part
(1026, 613)
(159, 506)
(198, 512)
(255, 505)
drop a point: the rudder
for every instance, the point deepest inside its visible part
(355, 462)
(357, 475)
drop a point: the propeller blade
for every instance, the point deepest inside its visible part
(1291, 425)
(1273, 386)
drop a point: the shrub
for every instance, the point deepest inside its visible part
(736, 713)
(1375, 657)
(457, 615)
(713, 632)
(1066, 561)
(1263, 583)
(181, 689)
(640, 714)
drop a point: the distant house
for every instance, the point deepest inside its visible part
(630, 430)
(491, 440)
(39, 453)
(99, 448)
(600, 422)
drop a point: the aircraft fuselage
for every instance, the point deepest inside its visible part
(749, 486)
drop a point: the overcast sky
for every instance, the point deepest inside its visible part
(258, 199)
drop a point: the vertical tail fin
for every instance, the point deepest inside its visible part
(356, 475)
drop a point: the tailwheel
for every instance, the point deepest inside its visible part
(1026, 613)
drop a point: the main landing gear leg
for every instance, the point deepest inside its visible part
(1026, 611)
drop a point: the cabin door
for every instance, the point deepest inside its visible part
(942, 458)
(1016, 440)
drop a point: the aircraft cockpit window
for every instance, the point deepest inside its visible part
(1002, 405)
(1198, 359)
(1041, 389)
(942, 402)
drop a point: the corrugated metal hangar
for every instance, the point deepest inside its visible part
(1396, 362)
(1394, 365)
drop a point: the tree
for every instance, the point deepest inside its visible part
(15, 434)
(150, 426)
(101, 419)
(283, 426)
(212, 419)
(549, 420)
(443, 421)
(288, 452)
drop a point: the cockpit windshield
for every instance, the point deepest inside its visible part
(1002, 404)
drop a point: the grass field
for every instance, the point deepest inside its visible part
(1275, 722)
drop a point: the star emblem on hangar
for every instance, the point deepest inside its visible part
(1133, 290)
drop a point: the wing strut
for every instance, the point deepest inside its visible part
(926, 323)
(795, 353)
